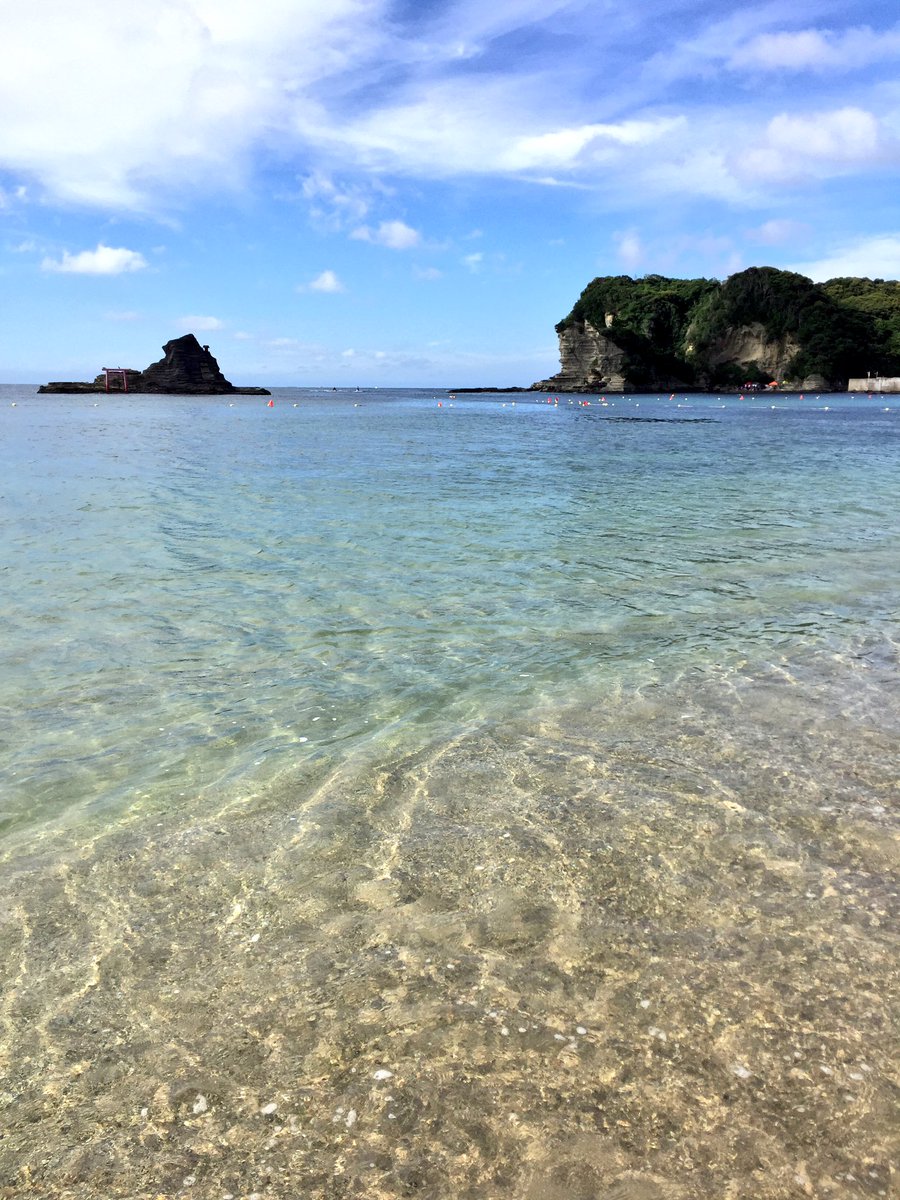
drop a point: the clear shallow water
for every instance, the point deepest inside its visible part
(343, 736)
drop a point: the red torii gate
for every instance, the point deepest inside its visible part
(120, 371)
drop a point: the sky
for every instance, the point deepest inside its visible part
(413, 192)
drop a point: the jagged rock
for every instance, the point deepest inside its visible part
(588, 361)
(188, 369)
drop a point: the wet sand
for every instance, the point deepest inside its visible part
(641, 953)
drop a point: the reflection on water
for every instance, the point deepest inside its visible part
(626, 953)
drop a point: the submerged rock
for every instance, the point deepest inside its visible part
(187, 369)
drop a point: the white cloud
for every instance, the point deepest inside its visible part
(332, 206)
(844, 135)
(473, 262)
(396, 235)
(427, 273)
(123, 316)
(224, 78)
(344, 95)
(826, 143)
(818, 50)
(326, 282)
(876, 257)
(564, 147)
(629, 248)
(779, 231)
(204, 324)
(105, 260)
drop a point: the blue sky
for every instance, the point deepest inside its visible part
(368, 192)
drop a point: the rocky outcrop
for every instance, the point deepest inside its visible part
(758, 326)
(589, 361)
(187, 369)
(750, 346)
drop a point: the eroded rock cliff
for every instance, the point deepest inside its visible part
(750, 346)
(588, 361)
(757, 327)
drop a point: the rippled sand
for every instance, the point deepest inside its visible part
(630, 954)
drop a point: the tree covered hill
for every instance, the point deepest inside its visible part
(708, 333)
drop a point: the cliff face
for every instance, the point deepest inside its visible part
(588, 360)
(750, 346)
(757, 326)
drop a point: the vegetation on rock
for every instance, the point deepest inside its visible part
(676, 328)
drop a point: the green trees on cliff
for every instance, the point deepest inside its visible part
(677, 327)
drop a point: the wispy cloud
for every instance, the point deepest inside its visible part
(876, 257)
(345, 94)
(334, 206)
(818, 50)
(396, 235)
(105, 260)
(204, 324)
(779, 232)
(629, 248)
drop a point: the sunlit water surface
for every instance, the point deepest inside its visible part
(475, 797)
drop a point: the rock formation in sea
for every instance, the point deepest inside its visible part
(187, 369)
(759, 328)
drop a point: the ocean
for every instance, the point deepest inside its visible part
(480, 797)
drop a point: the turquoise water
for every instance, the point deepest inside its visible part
(490, 702)
(201, 591)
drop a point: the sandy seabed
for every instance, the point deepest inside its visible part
(648, 953)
